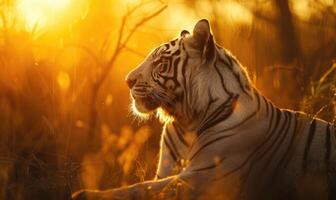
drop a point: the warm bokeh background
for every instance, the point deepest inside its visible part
(65, 122)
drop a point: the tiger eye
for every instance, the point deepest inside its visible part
(170, 84)
(163, 67)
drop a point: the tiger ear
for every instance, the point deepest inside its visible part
(203, 40)
(201, 33)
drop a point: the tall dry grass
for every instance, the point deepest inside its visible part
(47, 85)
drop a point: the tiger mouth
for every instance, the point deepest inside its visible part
(145, 104)
(146, 100)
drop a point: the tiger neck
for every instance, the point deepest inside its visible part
(220, 95)
(225, 114)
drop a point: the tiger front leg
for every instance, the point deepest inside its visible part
(169, 188)
(119, 193)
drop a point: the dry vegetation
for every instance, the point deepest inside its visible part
(64, 107)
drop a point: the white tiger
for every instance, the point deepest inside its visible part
(224, 140)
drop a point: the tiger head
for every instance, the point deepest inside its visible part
(174, 79)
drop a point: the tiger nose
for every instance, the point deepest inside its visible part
(131, 82)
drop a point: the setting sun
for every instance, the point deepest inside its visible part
(167, 99)
(41, 12)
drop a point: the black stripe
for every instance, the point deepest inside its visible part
(276, 131)
(278, 147)
(209, 143)
(211, 101)
(247, 118)
(280, 137)
(176, 62)
(166, 46)
(266, 102)
(287, 155)
(220, 108)
(220, 118)
(157, 81)
(222, 80)
(167, 62)
(221, 113)
(308, 144)
(240, 123)
(210, 166)
(170, 150)
(172, 143)
(179, 132)
(270, 134)
(328, 147)
(155, 51)
(252, 154)
(236, 75)
(227, 57)
(157, 62)
(171, 63)
(177, 52)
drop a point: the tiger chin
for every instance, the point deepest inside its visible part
(223, 139)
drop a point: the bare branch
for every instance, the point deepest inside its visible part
(120, 45)
(105, 44)
(140, 23)
(135, 52)
(123, 23)
(109, 64)
(121, 31)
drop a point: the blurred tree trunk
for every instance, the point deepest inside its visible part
(291, 47)
(291, 51)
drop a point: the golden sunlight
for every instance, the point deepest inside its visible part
(180, 18)
(232, 11)
(132, 2)
(140, 116)
(63, 80)
(163, 116)
(301, 8)
(41, 12)
(236, 12)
